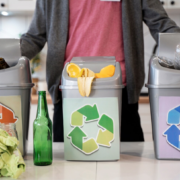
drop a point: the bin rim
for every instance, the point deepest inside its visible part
(17, 85)
(93, 87)
(152, 86)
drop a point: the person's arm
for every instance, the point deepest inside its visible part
(157, 19)
(34, 40)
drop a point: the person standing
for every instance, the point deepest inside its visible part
(96, 28)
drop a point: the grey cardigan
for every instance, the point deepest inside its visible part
(50, 24)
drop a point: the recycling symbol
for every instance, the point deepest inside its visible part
(79, 139)
(173, 132)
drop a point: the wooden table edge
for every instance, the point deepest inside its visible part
(143, 99)
(34, 99)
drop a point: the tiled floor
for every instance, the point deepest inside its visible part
(136, 162)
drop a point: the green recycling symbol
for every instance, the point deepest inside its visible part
(105, 134)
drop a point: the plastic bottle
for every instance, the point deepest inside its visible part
(177, 58)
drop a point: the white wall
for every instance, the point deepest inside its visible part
(12, 27)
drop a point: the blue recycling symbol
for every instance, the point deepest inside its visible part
(173, 132)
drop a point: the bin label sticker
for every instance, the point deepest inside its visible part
(11, 113)
(169, 127)
(0, 112)
(78, 137)
(7, 115)
(172, 132)
(172, 136)
(86, 113)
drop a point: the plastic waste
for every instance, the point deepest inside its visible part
(171, 63)
(177, 58)
(165, 62)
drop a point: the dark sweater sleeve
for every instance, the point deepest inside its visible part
(157, 19)
(34, 40)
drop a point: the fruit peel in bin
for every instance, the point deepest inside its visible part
(86, 76)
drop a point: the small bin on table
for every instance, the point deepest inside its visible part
(164, 93)
(15, 91)
(92, 124)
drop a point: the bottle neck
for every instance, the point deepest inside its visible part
(42, 109)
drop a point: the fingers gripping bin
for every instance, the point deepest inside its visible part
(92, 124)
(15, 88)
(164, 93)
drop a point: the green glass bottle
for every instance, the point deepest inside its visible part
(42, 133)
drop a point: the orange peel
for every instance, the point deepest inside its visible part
(73, 70)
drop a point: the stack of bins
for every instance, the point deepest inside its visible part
(164, 93)
(91, 124)
(15, 91)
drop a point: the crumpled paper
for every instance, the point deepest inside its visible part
(11, 161)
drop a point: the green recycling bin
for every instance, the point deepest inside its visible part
(92, 124)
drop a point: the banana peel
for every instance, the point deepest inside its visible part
(81, 86)
(86, 77)
(88, 84)
(85, 81)
(85, 72)
(90, 73)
